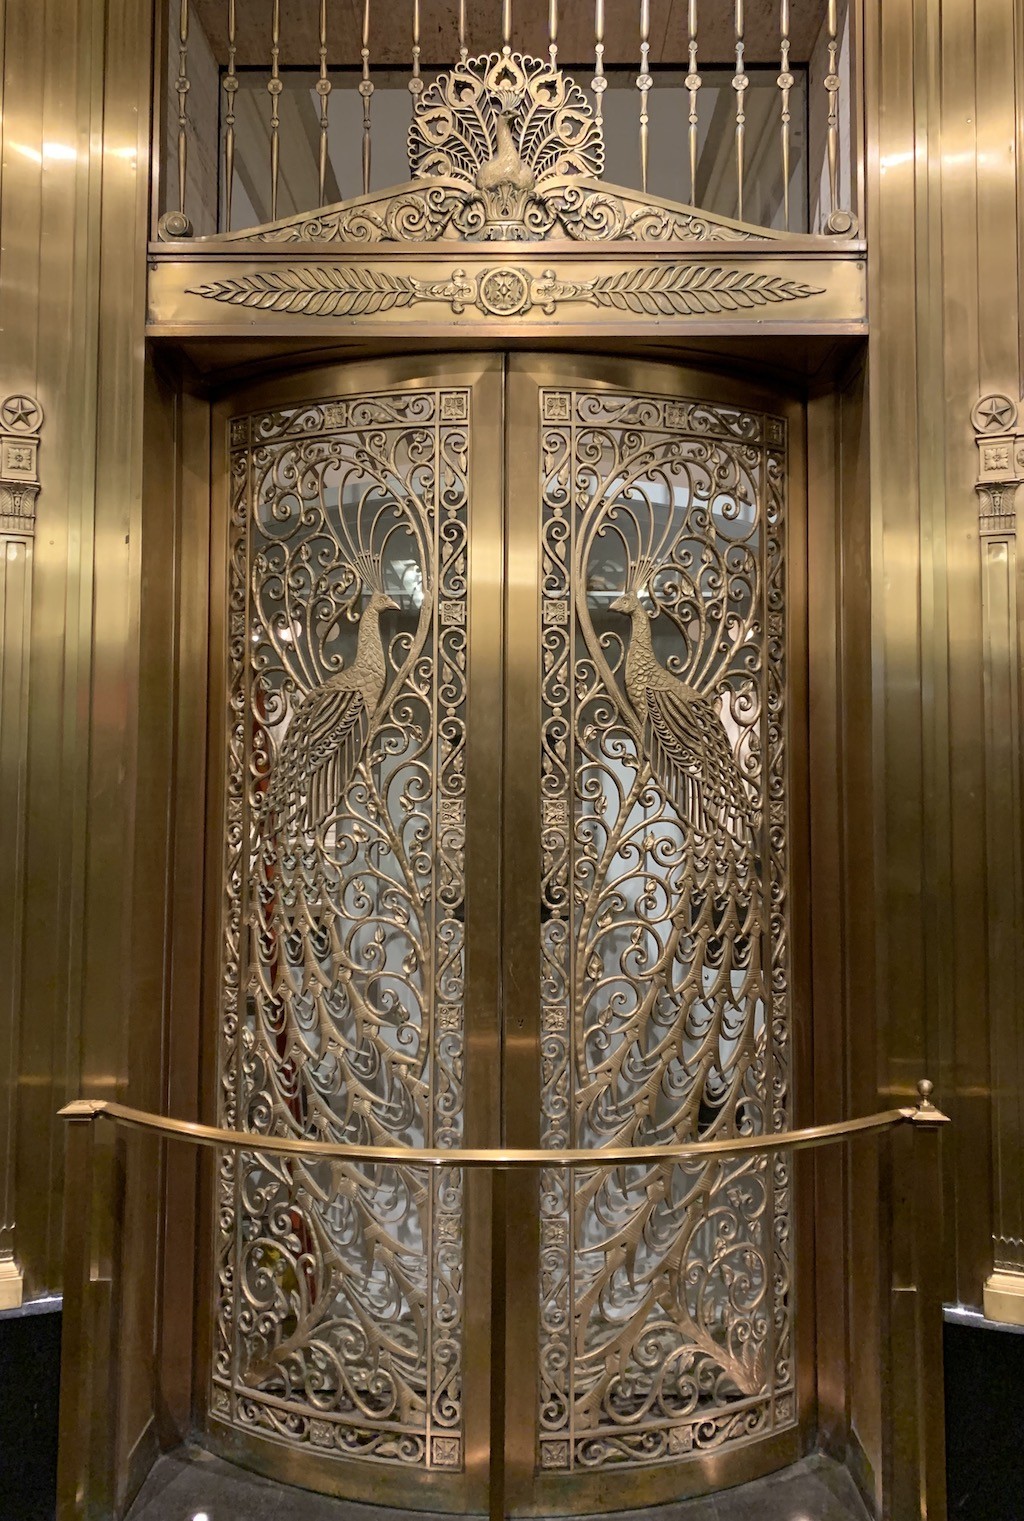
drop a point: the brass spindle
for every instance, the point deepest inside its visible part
(181, 84)
(366, 91)
(415, 82)
(693, 83)
(739, 84)
(506, 23)
(274, 86)
(832, 86)
(785, 83)
(643, 84)
(230, 90)
(599, 83)
(553, 33)
(323, 88)
(463, 49)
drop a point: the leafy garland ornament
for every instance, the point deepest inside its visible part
(506, 291)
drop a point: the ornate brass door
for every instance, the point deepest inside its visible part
(507, 827)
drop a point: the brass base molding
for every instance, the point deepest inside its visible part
(1004, 1297)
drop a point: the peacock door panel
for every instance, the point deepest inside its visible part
(665, 1293)
(341, 1323)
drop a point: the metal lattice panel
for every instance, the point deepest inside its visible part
(340, 1287)
(665, 1317)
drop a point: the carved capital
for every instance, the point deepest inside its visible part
(1000, 444)
(21, 421)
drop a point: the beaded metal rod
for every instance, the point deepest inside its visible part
(785, 83)
(366, 91)
(832, 87)
(599, 83)
(275, 86)
(415, 82)
(230, 90)
(323, 89)
(739, 84)
(693, 83)
(643, 84)
(181, 85)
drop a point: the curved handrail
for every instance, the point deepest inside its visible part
(502, 1158)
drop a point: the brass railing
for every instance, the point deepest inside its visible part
(87, 1486)
(229, 66)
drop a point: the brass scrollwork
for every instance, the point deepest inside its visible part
(665, 1315)
(340, 1285)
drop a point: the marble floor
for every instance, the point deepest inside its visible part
(190, 1485)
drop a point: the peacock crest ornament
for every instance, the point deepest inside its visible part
(511, 129)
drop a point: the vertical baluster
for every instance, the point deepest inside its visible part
(553, 33)
(506, 24)
(739, 84)
(599, 83)
(693, 83)
(415, 82)
(230, 90)
(365, 90)
(181, 84)
(463, 49)
(274, 87)
(643, 84)
(323, 88)
(785, 83)
(832, 86)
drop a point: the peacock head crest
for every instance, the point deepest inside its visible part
(368, 568)
(638, 585)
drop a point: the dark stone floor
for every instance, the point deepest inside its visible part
(190, 1485)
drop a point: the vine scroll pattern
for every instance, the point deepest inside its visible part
(340, 1295)
(665, 1292)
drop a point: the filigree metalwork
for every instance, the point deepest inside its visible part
(505, 147)
(506, 290)
(665, 1319)
(507, 128)
(340, 1287)
(584, 210)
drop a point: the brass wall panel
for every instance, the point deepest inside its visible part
(75, 149)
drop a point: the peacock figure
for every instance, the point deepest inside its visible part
(332, 722)
(682, 736)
